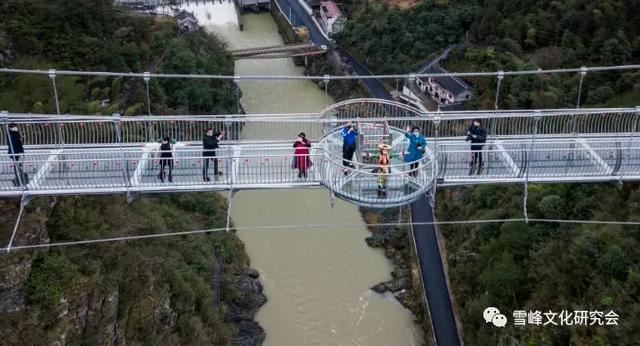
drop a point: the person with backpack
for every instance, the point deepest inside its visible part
(478, 136)
(15, 151)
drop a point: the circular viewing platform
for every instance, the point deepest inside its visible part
(363, 180)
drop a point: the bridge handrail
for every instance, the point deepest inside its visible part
(318, 117)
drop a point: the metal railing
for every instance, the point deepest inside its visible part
(110, 169)
(48, 130)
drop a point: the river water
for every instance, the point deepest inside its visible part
(317, 280)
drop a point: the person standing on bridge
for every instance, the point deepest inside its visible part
(14, 141)
(478, 136)
(166, 158)
(209, 146)
(349, 140)
(301, 159)
(383, 156)
(417, 147)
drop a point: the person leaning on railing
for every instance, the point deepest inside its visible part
(166, 157)
(417, 147)
(14, 141)
(209, 145)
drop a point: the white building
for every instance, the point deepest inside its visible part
(444, 90)
(332, 17)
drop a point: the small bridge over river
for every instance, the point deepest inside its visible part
(281, 51)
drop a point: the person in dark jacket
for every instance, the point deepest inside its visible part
(301, 151)
(15, 151)
(166, 158)
(349, 140)
(209, 145)
(478, 136)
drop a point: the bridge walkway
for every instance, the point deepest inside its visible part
(99, 169)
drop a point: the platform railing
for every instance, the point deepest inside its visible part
(52, 130)
(111, 170)
(73, 169)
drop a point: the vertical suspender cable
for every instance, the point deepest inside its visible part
(496, 104)
(436, 151)
(123, 160)
(23, 204)
(526, 179)
(236, 80)
(147, 78)
(634, 131)
(52, 76)
(500, 78)
(18, 171)
(326, 90)
(583, 72)
(229, 208)
(16, 163)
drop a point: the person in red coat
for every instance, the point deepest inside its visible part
(301, 160)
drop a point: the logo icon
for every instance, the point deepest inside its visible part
(493, 315)
(499, 320)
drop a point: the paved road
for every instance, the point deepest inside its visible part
(428, 252)
(299, 16)
(435, 282)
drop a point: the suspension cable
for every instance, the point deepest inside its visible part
(319, 226)
(318, 77)
(23, 204)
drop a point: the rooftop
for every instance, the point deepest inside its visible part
(331, 9)
(454, 84)
(182, 15)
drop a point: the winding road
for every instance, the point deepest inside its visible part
(428, 251)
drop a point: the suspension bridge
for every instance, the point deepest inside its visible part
(77, 155)
(80, 155)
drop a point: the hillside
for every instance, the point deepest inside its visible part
(93, 35)
(188, 290)
(508, 35)
(536, 266)
(545, 266)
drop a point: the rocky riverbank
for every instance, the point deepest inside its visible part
(243, 305)
(405, 283)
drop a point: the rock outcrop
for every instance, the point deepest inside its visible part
(405, 282)
(243, 307)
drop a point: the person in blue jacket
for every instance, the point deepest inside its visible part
(417, 147)
(349, 140)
